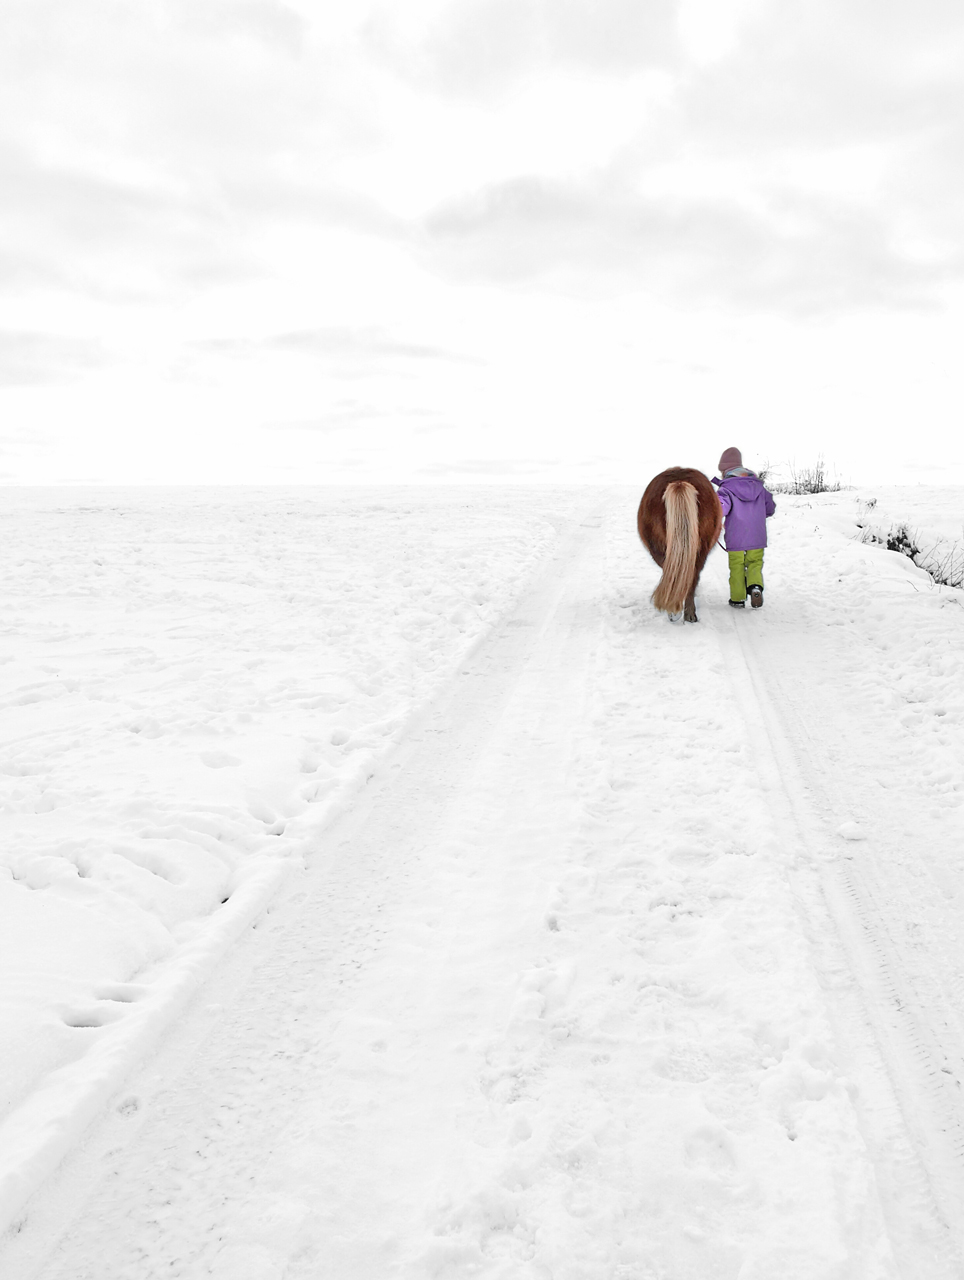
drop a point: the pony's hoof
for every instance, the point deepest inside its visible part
(690, 617)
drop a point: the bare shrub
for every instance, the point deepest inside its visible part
(811, 479)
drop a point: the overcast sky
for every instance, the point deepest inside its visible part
(247, 240)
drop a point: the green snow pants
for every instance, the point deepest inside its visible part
(746, 570)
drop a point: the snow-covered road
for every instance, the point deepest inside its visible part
(639, 957)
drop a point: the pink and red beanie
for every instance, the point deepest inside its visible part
(731, 458)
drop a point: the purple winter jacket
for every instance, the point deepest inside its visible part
(746, 505)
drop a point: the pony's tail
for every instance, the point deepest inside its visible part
(682, 542)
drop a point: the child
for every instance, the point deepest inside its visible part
(746, 505)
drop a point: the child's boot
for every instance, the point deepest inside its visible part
(756, 597)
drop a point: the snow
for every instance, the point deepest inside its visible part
(392, 892)
(936, 511)
(930, 518)
(192, 683)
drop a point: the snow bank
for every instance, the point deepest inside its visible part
(925, 524)
(192, 683)
(906, 647)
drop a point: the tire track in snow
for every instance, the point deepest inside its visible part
(907, 1054)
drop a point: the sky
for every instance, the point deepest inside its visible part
(419, 241)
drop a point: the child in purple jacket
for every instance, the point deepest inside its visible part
(746, 505)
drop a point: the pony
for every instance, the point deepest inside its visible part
(679, 520)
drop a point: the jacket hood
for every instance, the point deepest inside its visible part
(745, 488)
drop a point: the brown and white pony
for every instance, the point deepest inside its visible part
(679, 519)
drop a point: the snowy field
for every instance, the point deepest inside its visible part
(193, 682)
(386, 890)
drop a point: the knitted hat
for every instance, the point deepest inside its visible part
(731, 458)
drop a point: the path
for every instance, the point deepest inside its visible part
(583, 987)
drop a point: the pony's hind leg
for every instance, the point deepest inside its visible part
(689, 609)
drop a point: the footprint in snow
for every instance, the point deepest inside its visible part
(144, 726)
(219, 760)
(851, 831)
(112, 1000)
(89, 1018)
(711, 1149)
(689, 855)
(121, 992)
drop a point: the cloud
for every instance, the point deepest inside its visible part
(146, 150)
(829, 73)
(182, 138)
(478, 46)
(810, 168)
(433, 428)
(105, 236)
(366, 342)
(370, 345)
(312, 201)
(32, 359)
(799, 254)
(326, 425)
(264, 21)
